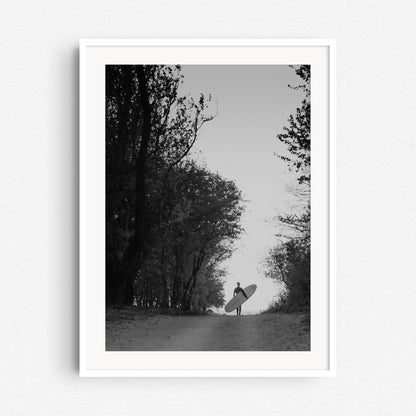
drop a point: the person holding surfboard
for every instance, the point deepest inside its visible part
(240, 296)
(237, 290)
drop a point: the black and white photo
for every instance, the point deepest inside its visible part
(207, 189)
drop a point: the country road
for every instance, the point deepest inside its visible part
(267, 332)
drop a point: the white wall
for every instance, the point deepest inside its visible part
(376, 207)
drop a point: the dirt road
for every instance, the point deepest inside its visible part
(267, 332)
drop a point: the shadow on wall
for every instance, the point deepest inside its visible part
(65, 97)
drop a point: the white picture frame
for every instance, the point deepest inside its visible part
(95, 361)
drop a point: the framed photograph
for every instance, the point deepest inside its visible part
(207, 208)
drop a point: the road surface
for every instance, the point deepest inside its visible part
(267, 332)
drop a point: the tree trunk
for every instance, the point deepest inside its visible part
(191, 283)
(177, 280)
(165, 284)
(134, 251)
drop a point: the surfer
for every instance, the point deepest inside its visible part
(237, 290)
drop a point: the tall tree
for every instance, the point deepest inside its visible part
(135, 246)
(288, 262)
(148, 127)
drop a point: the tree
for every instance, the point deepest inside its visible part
(297, 140)
(196, 218)
(296, 136)
(148, 127)
(169, 222)
(288, 262)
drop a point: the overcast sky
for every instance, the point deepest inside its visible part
(254, 103)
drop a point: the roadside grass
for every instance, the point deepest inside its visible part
(116, 313)
(276, 308)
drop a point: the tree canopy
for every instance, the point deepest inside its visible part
(170, 223)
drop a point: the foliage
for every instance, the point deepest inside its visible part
(296, 136)
(288, 262)
(195, 219)
(169, 222)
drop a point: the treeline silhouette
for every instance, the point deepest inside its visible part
(170, 222)
(288, 262)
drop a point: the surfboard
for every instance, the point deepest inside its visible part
(238, 300)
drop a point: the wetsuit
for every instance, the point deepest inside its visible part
(237, 290)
